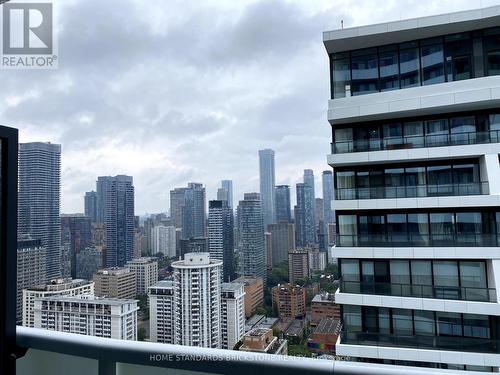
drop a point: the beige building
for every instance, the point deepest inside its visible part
(115, 283)
(254, 293)
(261, 340)
(289, 301)
(58, 287)
(146, 273)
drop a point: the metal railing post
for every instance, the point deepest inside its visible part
(106, 367)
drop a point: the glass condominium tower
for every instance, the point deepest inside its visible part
(415, 122)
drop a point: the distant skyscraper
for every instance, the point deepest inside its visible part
(163, 240)
(187, 210)
(221, 236)
(228, 186)
(327, 180)
(267, 183)
(115, 196)
(305, 228)
(39, 199)
(251, 246)
(282, 241)
(90, 201)
(232, 314)
(78, 227)
(222, 195)
(283, 210)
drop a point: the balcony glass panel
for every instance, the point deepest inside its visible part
(341, 74)
(424, 323)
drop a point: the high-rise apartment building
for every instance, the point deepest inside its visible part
(187, 210)
(90, 204)
(163, 240)
(267, 184)
(88, 262)
(59, 287)
(187, 311)
(39, 196)
(227, 185)
(115, 203)
(31, 269)
(283, 207)
(88, 315)
(327, 182)
(415, 118)
(305, 226)
(282, 237)
(232, 314)
(221, 236)
(161, 312)
(118, 282)
(251, 246)
(78, 229)
(146, 272)
(298, 265)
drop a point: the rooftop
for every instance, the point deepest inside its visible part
(328, 325)
(410, 29)
(90, 299)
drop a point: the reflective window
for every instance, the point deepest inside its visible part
(402, 322)
(473, 274)
(364, 65)
(418, 228)
(437, 132)
(389, 72)
(446, 273)
(449, 324)
(424, 323)
(400, 272)
(409, 65)
(341, 74)
(352, 318)
(384, 321)
(432, 61)
(458, 51)
(350, 269)
(397, 228)
(491, 44)
(476, 326)
(421, 272)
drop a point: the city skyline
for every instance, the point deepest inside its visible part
(107, 126)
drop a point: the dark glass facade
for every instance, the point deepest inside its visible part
(369, 325)
(417, 63)
(436, 228)
(420, 278)
(417, 132)
(410, 180)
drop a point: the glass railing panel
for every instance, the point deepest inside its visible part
(418, 141)
(455, 343)
(418, 291)
(418, 240)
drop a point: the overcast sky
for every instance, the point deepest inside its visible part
(177, 91)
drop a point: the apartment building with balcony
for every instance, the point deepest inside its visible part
(88, 315)
(415, 122)
(57, 287)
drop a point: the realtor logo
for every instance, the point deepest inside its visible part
(28, 36)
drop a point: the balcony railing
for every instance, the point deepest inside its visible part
(416, 141)
(454, 343)
(418, 240)
(384, 192)
(56, 353)
(419, 291)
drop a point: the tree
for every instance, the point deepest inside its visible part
(298, 351)
(141, 333)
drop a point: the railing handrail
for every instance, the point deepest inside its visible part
(111, 351)
(412, 191)
(418, 240)
(427, 140)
